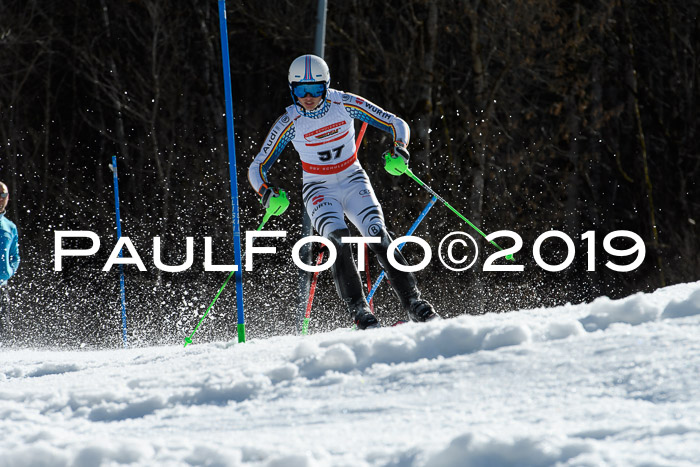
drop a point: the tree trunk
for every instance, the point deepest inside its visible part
(116, 101)
(425, 99)
(631, 80)
(476, 201)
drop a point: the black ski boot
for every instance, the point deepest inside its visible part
(364, 319)
(420, 310)
(348, 283)
(403, 283)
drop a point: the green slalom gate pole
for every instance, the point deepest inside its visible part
(397, 166)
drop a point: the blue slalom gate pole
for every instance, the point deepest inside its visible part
(113, 168)
(232, 170)
(413, 228)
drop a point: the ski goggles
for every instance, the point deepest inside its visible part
(314, 89)
(4, 195)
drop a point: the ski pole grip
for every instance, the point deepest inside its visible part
(394, 165)
(278, 204)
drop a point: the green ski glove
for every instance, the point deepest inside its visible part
(396, 163)
(275, 201)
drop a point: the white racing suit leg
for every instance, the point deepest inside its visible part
(366, 214)
(323, 199)
(327, 199)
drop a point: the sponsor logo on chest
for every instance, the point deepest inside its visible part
(325, 133)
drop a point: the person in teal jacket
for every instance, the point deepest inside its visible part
(9, 256)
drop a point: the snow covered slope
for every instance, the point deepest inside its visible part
(605, 383)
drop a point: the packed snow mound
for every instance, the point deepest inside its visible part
(638, 309)
(683, 308)
(613, 382)
(469, 450)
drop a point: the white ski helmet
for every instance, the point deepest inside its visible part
(306, 70)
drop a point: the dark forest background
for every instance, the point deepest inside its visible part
(530, 116)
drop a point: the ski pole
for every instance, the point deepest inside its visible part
(266, 218)
(397, 166)
(413, 228)
(278, 205)
(369, 279)
(363, 128)
(188, 339)
(312, 291)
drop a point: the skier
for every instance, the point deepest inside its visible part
(9, 257)
(319, 124)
